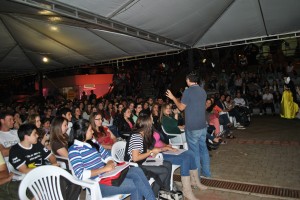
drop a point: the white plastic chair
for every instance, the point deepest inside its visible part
(65, 164)
(118, 153)
(17, 175)
(178, 140)
(44, 183)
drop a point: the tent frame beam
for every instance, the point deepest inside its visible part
(263, 18)
(214, 22)
(251, 40)
(134, 58)
(119, 9)
(103, 22)
(106, 40)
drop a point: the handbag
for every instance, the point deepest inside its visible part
(117, 179)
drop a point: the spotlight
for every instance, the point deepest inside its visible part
(204, 60)
(213, 65)
(45, 59)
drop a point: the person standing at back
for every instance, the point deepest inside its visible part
(193, 102)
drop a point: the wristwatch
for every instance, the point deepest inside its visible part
(151, 153)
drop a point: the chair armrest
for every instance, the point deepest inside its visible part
(91, 184)
(133, 164)
(17, 174)
(172, 134)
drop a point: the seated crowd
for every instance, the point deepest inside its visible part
(64, 130)
(85, 130)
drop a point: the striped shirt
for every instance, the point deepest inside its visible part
(84, 158)
(135, 143)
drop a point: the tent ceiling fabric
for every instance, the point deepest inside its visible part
(68, 41)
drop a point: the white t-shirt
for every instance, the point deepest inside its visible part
(239, 102)
(268, 97)
(9, 138)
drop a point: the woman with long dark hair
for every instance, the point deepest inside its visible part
(43, 137)
(126, 124)
(140, 146)
(101, 133)
(59, 137)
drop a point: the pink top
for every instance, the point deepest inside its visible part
(130, 125)
(158, 142)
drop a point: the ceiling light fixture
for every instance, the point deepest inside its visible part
(45, 59)
(45, 12)
(55, 19)
(53, 28)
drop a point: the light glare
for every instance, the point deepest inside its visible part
(45, 59)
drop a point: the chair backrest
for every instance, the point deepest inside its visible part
(64, 163)
(162, 127)
(118, 151)
(44, 183)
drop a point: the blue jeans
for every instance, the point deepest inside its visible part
(135, 184)
(185, 160)
(196, 141)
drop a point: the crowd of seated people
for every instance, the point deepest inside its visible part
(55, 122)
(115, 118)
(59, 135)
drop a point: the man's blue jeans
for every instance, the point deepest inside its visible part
(196, 141)
(185, 160)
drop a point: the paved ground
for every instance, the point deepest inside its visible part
(266, 153)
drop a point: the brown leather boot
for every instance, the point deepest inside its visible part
(186, 188)
(196, 181)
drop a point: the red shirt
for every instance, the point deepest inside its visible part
(105, 139)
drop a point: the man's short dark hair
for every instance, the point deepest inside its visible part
(25, 129)
(192, 76)
(5, 114)
(64, 111)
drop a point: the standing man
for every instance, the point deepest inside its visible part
(193, 102)
(92, 96)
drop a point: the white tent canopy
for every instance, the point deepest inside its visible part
(76, 32)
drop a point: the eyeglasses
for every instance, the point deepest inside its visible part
(98, 119)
